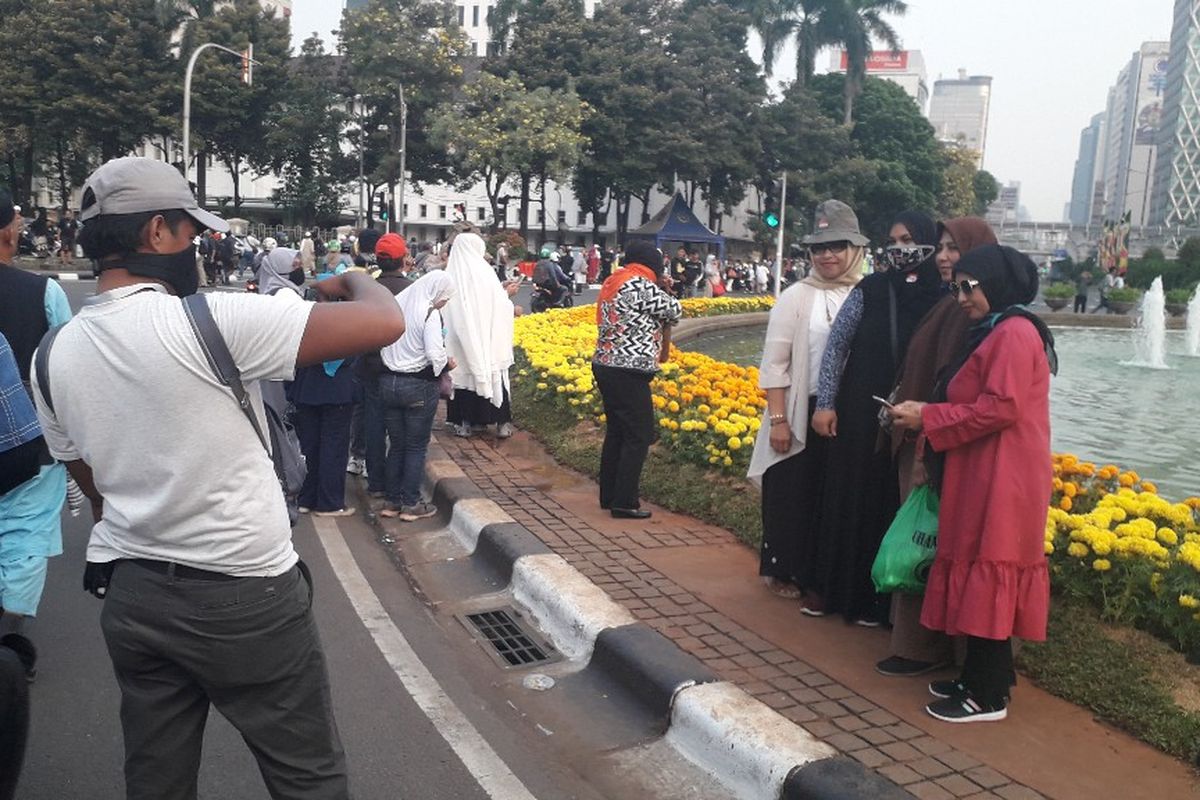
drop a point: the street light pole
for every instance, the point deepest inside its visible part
(187, 95)
(782, 225)
(403, 158)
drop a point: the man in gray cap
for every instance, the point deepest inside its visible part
(205, 600)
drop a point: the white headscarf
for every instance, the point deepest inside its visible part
(479, 322)
(274, 270)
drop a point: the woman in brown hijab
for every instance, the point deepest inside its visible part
(937, 339)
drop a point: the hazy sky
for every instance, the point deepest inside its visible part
(1052, 62)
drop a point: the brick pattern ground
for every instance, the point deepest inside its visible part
(925, 766)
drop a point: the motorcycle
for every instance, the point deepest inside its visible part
(543, 299)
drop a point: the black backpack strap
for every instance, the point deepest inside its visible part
(212, 343)
(41, 365)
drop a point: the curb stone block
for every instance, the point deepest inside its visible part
(471, 515)
(839, 779)
(649, 665)
(501, 544)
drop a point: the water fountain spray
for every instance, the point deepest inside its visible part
(1193, 324)
(1149, 337)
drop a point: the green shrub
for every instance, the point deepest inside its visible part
(1126, 295)
(1179, 296)
(1062, 291)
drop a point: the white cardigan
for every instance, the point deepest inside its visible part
(785, 364)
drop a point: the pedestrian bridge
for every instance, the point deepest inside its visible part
(1041, 240)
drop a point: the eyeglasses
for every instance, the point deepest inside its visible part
(966, 287)
(837, 248)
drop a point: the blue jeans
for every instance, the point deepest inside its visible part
(409, 405)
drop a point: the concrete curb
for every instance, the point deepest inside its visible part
(754, 751)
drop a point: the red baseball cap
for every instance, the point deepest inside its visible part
(391, 245)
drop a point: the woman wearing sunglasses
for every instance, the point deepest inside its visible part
(990, 417)
(789, 458)
(866, 346)
(938, 338)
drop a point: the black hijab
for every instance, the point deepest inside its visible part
(1009, 281)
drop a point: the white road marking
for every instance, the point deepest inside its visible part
(492, 774)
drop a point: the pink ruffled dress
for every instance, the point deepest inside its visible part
(990, 578)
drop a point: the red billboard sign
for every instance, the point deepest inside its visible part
(882, 61)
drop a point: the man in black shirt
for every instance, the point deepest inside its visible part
(68, 227)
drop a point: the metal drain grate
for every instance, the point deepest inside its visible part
(514, 646)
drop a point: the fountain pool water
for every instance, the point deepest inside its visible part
(1193, 324)
(1150, 333)
(1099, 410)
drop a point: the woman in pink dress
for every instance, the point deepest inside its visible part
(991, 421)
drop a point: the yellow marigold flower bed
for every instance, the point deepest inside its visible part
(1109, 535)
(1112, 538)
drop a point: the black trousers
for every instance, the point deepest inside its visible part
(628, 433)
(988, 670)
(14, 721)
(324, 433)
(247, 646)
(1080, 303)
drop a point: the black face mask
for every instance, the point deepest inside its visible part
(177, 270)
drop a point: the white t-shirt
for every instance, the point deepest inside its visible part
(183, 475)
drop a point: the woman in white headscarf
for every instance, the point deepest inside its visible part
(409, 392)
(276, 266)
(479, 322)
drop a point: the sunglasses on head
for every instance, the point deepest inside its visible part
(965, 286)
(837, 248)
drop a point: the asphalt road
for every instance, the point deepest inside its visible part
(394, 750)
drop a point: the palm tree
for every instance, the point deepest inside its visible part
(857, 22)
(807, 22)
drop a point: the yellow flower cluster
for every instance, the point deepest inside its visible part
(708, 411)
(1147, 549)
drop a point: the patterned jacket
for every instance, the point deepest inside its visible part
(631, 326)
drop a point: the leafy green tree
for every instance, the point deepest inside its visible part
(389, 44)
(547, 37)
(957, 196)
(304, 136)
(229, 117)
(986, 189)
(501, 131)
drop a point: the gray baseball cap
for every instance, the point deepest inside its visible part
(835, 222)
(139, 185)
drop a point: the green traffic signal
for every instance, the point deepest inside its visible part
(771, 219)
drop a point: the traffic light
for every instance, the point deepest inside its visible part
(381, 199)
(770, 202)
(248, 65)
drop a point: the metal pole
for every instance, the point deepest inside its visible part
(403, 158)
(779, 243)
(187, 97)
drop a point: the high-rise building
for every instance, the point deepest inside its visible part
(1175, 200)
(905, 68)
(1133, 116)
(1006, 208)
(1088, 165)
(958, 111)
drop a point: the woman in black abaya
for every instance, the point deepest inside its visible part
(862, 358)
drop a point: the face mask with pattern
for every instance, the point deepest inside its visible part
(905, 257)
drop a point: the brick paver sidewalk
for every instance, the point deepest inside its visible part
(926, 766)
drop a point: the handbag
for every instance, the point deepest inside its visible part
(908, 548)
(718, 288)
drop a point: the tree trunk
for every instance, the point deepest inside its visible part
(526, 178)
(849, 90)
(26, 189)
(623, 202)
(235, 171)
(543, 204)
(645, 198)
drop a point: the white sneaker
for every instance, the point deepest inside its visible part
(504, 430)
(356, 466)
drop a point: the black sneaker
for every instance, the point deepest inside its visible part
(947, 689)
(900, 667)
(966, 708)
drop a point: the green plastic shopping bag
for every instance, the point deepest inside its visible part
(906, 552)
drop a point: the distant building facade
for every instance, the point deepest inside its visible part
(1088, 165)
(1006, 208)
(958, 111)
(1175, 196)
(905, 68)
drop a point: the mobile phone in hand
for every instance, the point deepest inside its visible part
(882, 401)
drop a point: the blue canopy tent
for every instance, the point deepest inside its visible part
(676, 223)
